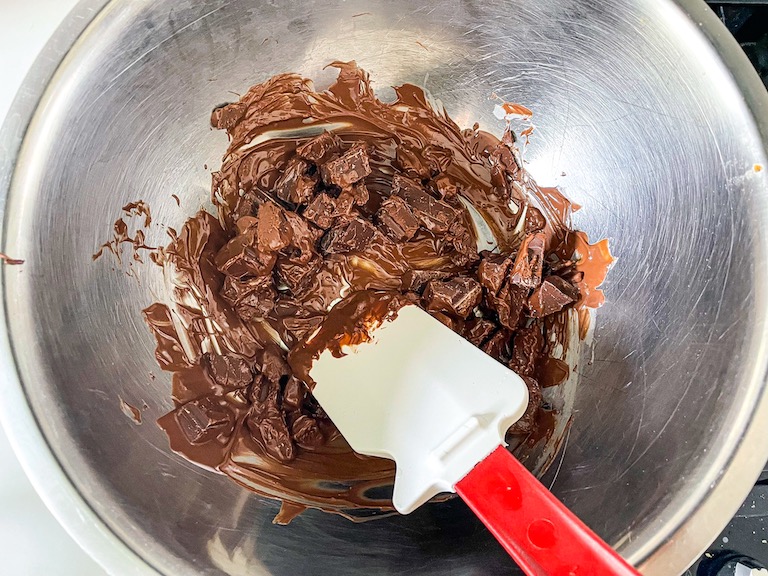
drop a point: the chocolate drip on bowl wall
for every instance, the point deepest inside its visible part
(330, 199)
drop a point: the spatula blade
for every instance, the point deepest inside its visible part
(418, 393)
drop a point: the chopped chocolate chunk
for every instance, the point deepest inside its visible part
(257, 304)
(227, 116)
(246, 206)
(527, 348)
(229, 371)
(434, 214)
(319, 148)
(265, 396)
(527, 268)
(527, 422)
(352, 235)
(236, 289)
(306, 432)
(396, 219)
(294, 393)
(534, 220)
(463, 243)
(446, 187)
(304, 236)
(321, 210)
(240, 257)
(298, 328)
(274, 436)
(416, 280)
(437, 158)
(360, 193)
(498, 345)
(344, 203)
(457, 296)
(478, 330)
(203, 420)
(551, 296)
(295, 274)
(273, 363)
(245, 223)
(294, 185)
(272, 230)
(493, 270)
(509, 304)
(295, 321)
(350, 168)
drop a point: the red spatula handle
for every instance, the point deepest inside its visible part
(542, 535)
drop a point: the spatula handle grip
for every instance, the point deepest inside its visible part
(541, 535)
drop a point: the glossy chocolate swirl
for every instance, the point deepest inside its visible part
(335, 196)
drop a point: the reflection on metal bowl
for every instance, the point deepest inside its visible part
(647, 114)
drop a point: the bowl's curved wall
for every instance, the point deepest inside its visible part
(638, 119)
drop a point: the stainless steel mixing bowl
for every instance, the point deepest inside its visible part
(647, 114)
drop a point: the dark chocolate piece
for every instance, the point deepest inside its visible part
(360, 193)
(204, 420)
(534, 220)
(274, 435)
(352, 235)
(294, 393)
(396, 219)
(478, 330)
(295, 274)
(492, 271)
(320, 148)
(350, 168)
(434, 214)
(344, 202)
(498, 345)
(304, 236)
(446, 188)
(306, 432)
(463, 243)
(527, 348)
(240, 257)
(509, 304)
(416, 280)
(295, 330)
(256, 304)
(294, 185)
(229, 371)
(504, 167)
(273, 363)
(272, 230)
(321, 210)
(236, 289)
(265, 396)
(551, 296)
(457, 296)
(529, 262)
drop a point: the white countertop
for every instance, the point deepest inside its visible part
(31, 540)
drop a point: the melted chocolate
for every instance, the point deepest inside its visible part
(334, 208)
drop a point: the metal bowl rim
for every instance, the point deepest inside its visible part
(682, 543)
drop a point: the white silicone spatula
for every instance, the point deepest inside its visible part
(418, 393)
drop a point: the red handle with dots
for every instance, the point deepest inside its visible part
(541, 535)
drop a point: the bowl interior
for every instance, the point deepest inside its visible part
(637, 120)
